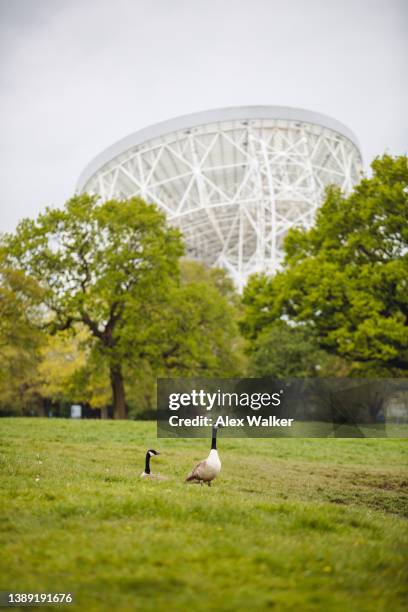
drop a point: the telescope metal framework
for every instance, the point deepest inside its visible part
(233, 180)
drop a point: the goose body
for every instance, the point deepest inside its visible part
(147, 473)
(207, 470)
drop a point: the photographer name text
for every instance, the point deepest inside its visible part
(226, 421)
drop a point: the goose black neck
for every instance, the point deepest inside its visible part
(147, 464)
(214, 439)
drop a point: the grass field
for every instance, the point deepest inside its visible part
(289, 525)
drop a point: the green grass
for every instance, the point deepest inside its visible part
(291, 524)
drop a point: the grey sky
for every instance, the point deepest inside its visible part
(76, 75)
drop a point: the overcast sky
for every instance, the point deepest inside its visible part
(77, 75)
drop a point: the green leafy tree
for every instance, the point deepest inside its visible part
(346, 279)
(282, 351)
(200, 332)
(69, 371)
(20, 340)
(194, 331)
(99, 265)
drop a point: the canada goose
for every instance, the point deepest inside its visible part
(147, 473)
(207, 470)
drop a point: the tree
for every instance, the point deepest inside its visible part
(20, 340)
(346, 279)
(99, 265)
(69, 371)
(194, 331)
(191, 332)
(281, 351)
(200, 332)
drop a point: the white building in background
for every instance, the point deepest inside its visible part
(234, 180)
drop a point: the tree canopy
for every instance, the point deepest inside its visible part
(282, 351)
(96, 264)
(345, 280)
(107, 275)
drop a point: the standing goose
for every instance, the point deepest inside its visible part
(147, 473)
(207, 470)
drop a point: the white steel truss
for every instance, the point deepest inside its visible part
(234, 187)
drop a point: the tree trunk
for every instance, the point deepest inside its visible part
(118, 392)
(43, 407)
(104, 412)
